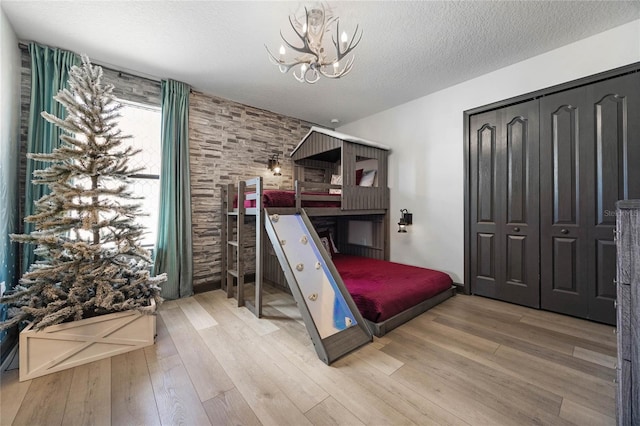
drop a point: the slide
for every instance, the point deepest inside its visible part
(330, 315)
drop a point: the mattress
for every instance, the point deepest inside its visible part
(382, 289)
(287, 198)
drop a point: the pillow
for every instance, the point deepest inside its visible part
(368, 178)
(327, 245)
(335, 180)
(359, 176)
(332, 245)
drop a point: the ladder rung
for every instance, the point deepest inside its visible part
(233, 243)
(232, 213)
(233, 272)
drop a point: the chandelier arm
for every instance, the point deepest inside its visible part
(314, 72)
(295, 18)
(301, 36)
(304, 49)
(299, 78)
(347, 68)
(285, 66)
(352, 43)
(326, 24)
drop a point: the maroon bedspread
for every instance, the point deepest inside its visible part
(284, 198)
(383, 289)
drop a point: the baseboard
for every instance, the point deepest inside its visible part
(459, 287)
(217, 285)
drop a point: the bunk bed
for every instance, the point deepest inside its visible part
(320, 157)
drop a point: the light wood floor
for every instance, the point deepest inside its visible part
(470, 361)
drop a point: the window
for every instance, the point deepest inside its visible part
(143, 123)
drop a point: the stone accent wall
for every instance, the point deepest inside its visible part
(25, 100)
(228, 142)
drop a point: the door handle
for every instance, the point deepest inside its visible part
(564, 231)
(516, 229)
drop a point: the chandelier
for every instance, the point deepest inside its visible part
(313, 60)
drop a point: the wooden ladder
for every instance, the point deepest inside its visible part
(233, 264)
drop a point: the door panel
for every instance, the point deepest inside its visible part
(504, 243)
(486, 257)
(517, 170)
(615, 125)
(486, 173)
(564, 170)
(520, 127)
(564, 265)
(564, 139)
(485, 264)
(517, 260)
(611, 161)
(590, 151)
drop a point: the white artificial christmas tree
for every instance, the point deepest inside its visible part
(91, 261)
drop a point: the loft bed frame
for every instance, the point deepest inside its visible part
(320, 154)
(237, 216)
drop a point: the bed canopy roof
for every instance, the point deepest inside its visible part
(315, 131)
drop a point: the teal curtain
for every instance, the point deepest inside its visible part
(174, 254)
(49, 73)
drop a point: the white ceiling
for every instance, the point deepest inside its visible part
(409, 48)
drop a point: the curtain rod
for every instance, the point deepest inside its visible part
(25, 45)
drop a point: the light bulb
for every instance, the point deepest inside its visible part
(303, 69)
(282, 51)
(344, 38)
(304, 28)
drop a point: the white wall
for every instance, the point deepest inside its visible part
(9, 142)
(426, 135)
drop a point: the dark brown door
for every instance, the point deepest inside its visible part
(615, 110)
(504, 204)
(589, 158)
(565, 169)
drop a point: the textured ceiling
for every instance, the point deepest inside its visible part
(409, 48)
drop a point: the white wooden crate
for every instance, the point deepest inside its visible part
(68, 345)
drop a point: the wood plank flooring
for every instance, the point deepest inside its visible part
(468, 361)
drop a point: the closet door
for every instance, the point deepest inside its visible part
(589, 156)
(566, 169)
(521, 230)
(486, 204)
(504, 200)
(615, 124)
